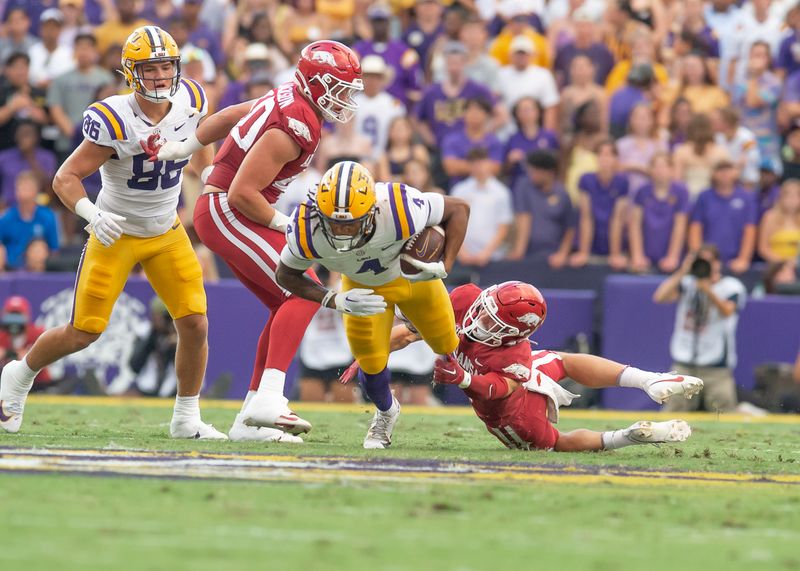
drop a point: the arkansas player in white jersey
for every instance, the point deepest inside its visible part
(272, 143)
(515, 390)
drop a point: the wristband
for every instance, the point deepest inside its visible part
(86, 209)
(192, 144)
(279, 221)
(327, 298)
(466, 382)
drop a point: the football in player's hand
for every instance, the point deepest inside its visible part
(426, 246)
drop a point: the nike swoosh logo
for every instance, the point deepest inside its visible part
(453, 372)
(178, 128)
(675, 380)
(3, 416)
(176, 226)
(386, 248)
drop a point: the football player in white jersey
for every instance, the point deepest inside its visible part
(134, 221)
(357, 228)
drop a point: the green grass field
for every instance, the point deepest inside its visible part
(94, 522)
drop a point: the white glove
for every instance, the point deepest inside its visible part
(279, 221)
(104, 225)
(176, 150)
(430, 271)
(358, 302)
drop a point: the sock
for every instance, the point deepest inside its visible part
(616, 439)
(272, 381)
(186, 408)
(247, 399)
(377, 388)
(633, 377)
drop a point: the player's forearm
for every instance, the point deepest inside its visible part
(454, 222)
(252, 204)
(402, 337)
(490, 386)
(297, 283)
(218, 125)
(69, 188)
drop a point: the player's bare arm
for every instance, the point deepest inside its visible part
(454, 221)
(260, 167)
(87, 159)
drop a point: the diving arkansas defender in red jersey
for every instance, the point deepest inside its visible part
(515, 391)
(273, 142)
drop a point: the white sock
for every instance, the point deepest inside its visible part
(22, 376)
(633, 377)
(614, 439)
(187, 408)
(272, 381)
(393, 410)
(247, 399)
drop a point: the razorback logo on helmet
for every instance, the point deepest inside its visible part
(300, 128)
(517, 370)
(530, 319)
(324, 57)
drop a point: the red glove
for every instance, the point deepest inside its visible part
(349, 373)
(447, 370)
(151, 147)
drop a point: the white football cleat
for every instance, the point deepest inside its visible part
(10, 416)
(240, 432)
(379, 435)
(271, 410)
(194, 428)
(664, 385)
(647, 432)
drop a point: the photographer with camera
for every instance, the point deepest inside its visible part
(703, 342)
(17, 334)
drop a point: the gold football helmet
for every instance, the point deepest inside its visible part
(345, 202)
(150, 44)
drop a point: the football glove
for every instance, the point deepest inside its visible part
(430, 271)
(359, 302)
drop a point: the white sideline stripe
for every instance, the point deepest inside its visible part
(236, 242)
(244, 230)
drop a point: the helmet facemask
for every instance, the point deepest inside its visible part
(346, 234)
(338, 104)
(156, 95)
(482, 324)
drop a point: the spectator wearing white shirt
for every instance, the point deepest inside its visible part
(522, 79)
(491, 212)
(740, 142)
(756, 25)
(49, 59)
(376, 108)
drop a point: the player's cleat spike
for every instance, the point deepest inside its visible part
(648, 432)
(194, 428)
(272, 411)
(380, 430)
(240, 432)
(662, 386)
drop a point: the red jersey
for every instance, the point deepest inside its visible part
(283, 108)
(9, 344)
(511, 361)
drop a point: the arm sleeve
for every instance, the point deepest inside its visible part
(292, 260)
(295, 123)
(299, 252)
(425, 208)
(103, 126)
(196, 96)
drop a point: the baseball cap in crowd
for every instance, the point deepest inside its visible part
(261, 78)
(641, 74)
(453, 47)
(379, 12)
(16, 304)
(52, 15)
(771, 165)
(522, 43)
(373, 65)
(256, 51)
(583, 14)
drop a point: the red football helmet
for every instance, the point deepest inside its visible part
(505, 314)
(330, 75)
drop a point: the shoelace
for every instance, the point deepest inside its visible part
(380, 426)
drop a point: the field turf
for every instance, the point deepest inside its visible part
(579, 516)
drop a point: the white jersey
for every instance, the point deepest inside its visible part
(373, 118)
(702, 336)
(401, 211)
(145, 193)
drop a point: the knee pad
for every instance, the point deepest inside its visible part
(373, 364)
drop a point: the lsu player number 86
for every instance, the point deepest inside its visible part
(133, 221)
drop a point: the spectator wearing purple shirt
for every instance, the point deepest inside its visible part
(475, 134)
(529, 137)
(602, 205)
(726, 215)
(407, 82)
(757, 97)
(637, 149)
(26, 156)
(788, 60)
(584, 43)
(638, 90)
(789, 106)
(441, 110)
(545, 217)
(200, 34)
(425, 29)
(659, 217)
